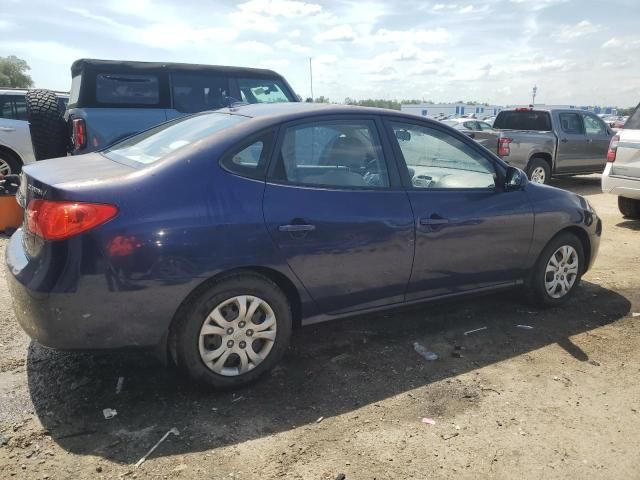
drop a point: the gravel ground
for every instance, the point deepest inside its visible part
(561, 400)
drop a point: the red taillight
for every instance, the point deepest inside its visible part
(613, 148)
(79, 133)
(59, 220)
(503, 146)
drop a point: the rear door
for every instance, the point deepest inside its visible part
(14, 128)
(334, 206)
(598, 138)
(573, 147)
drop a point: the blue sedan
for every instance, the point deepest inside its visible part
(211, 237)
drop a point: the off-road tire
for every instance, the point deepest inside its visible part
(49, 133)
(535, 290)
(629, 207)
(190, 319)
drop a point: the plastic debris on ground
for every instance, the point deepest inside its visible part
(319, 420)
(428, 421)
(635, 314)
(164, 437)
(109, 413)
(525, 327)
(424, 352)
(469, 332)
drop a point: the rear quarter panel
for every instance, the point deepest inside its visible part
(526, 145)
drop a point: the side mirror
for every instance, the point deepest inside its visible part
(515, 179)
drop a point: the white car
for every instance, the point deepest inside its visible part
(622, 174)
(16, 148)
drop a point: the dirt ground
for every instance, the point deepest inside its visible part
(561, 400)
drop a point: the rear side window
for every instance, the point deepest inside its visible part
(13, 107)
(75, 89)
(116, 88)
(166, 139)
(571, 123)
(634, 120)
(196, 93)
(250, 158)
(256, 90)
(523, 120)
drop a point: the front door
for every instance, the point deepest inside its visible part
(469, 235)
(339, 215)
(598, 138)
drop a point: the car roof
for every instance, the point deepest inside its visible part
(22, 91)
(79, 65)
(293, 110)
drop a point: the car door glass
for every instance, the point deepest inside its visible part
(570, 123)
(116, 88)
(336, 154)
(484, 126)
(194, 93)
(249, 159)
(20, 107)
(435, 159)
(593, 126)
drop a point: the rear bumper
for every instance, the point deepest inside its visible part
(621, 186)
(87, 316)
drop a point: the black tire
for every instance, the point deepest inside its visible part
(190, 321)
(535, 287)
(49, 133)
(537, 163)
(629, 207)
(10, 161)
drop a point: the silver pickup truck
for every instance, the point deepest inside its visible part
(552, 142)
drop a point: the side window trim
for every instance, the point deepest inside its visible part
(500, 170)
(268, 137)
(395, 182)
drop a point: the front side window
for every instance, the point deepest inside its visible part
(484, 126)
(163, 140)
(593, 126)
(338, 154)
(117, 88)
(435, 159)
(256, 90)
(571, 123)
(199, 92)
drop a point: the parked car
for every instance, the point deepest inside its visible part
(265, 217)
(481, 132)
(622, 174)
(111, 100)
(552, 142)
(16, 148)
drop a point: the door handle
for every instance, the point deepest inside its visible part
(564, 140)
(296, 228)
(434, 221)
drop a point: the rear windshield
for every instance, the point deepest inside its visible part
(127, 89)
(257, 90)
(523, 120)
(158, 142)
(634, 120)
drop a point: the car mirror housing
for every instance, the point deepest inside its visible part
(514, 179)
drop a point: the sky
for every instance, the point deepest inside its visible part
(495, 51)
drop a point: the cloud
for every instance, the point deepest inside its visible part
(284, 8)
(442, 6)
(567, 33)
(253, 46)
(325, 59)
(340, 33)
(435, 36)
(613, 42)
(295, 33)
(46, 51)
(289, 46)
(538, 4)
(4, 25)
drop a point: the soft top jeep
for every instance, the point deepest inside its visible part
(111, 100)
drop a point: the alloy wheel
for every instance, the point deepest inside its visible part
(237, 335)
(5, 168)
(538, 175)
(561, 272)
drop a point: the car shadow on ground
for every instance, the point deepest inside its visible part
(629, 224)
(582, 185)
(332, 369)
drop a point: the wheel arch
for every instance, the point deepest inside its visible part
(543, 156)
(166, 348)
(584, 240)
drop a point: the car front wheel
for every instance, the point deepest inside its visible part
(558, 271)
(629, 207)
(234, 332)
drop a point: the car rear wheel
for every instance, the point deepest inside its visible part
(234, 332)
(538, 170)
(9, 164)
(629, 207)
(557, 272)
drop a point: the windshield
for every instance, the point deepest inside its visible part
(158, 142)
(523, 120)
(257, 90)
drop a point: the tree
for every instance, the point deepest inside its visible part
(13, 72)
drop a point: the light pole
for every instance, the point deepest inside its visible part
(533, 99)
(311, 79)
